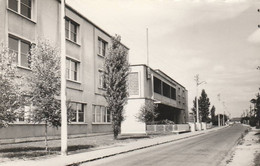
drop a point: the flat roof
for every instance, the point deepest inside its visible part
(160, 73)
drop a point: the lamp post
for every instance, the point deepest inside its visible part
(197, 103)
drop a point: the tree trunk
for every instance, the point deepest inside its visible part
(46, 140)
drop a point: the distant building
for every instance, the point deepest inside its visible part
(146, 84)
(22, 23)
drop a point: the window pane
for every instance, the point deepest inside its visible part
(166, 90)
(13, 44)
(80, 113)
(13, 4)
(73, 37)
(26, 2)
(25, 47)
(99, 47)
(73, 27)
(67, 28)
(103, 48)
(98, 114)
(103, 113)
(74, 112)
(93, 114)
(24, 60)
(157, 85)
(67, 68)
(173, 93)
(108, 116)
(26, 10)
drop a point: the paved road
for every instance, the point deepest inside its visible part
(206, 150)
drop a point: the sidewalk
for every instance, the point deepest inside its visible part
(247, 150)
(106, 151)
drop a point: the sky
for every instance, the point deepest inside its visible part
(217, 39)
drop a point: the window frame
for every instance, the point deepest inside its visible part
(69, 29)
(69, 68)
(19, 5)
(101, 118)
(18, 58)
(102, 47)
(82, 107)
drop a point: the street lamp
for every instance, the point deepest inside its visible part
(197, 103)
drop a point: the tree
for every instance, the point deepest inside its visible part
(116, 69)
(212, 113)
(204, 105)
(194, 108)
(44, 83)
(10, 95)
(148, 112)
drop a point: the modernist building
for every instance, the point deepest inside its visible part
(146, 84)
(23, 22)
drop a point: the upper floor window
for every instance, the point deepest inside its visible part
(21, 49)
(72, 70)
(23, 7)
(102, 47)
(101, 79)
(71, 30)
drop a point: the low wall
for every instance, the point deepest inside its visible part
(38, 130)
(167, 128)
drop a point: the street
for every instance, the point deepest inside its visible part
(208, 149)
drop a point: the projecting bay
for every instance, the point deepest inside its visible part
(208, 149)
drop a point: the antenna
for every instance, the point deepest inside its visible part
(147, 47)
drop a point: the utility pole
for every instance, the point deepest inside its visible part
(218, 113)
(196, 78)
(223, 113)
(64, 127)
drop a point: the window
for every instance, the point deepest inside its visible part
(72, 68)
(157, 85)
(101, 82)
(77, 110)
(101, 114)
(166, 90)
(23, 7)
(71, 29)
(102, 47)
(173, 93)
(21, 49)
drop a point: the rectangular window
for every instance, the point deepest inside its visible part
(72, 70)
(23, 7)
(101, 82)
(157, 85)
(102, 47)
(77, 110)
(166, 90)
(21, 49)
(173, 93)
(71, 30)
(101, 114)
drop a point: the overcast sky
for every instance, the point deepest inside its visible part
(219, 40)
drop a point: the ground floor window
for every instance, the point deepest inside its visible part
(101, 114)
(77, 110)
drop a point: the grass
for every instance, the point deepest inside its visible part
(33, 150)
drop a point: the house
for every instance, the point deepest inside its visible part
(23, 22)
(147, 84)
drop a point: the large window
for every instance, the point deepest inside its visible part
(21, 49)
(23, 7)
(72, 69)
(71, 30)
(102, 47)
(77, 112)
(164, 89)
(101, 114)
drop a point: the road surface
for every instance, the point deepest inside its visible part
(206, 150)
